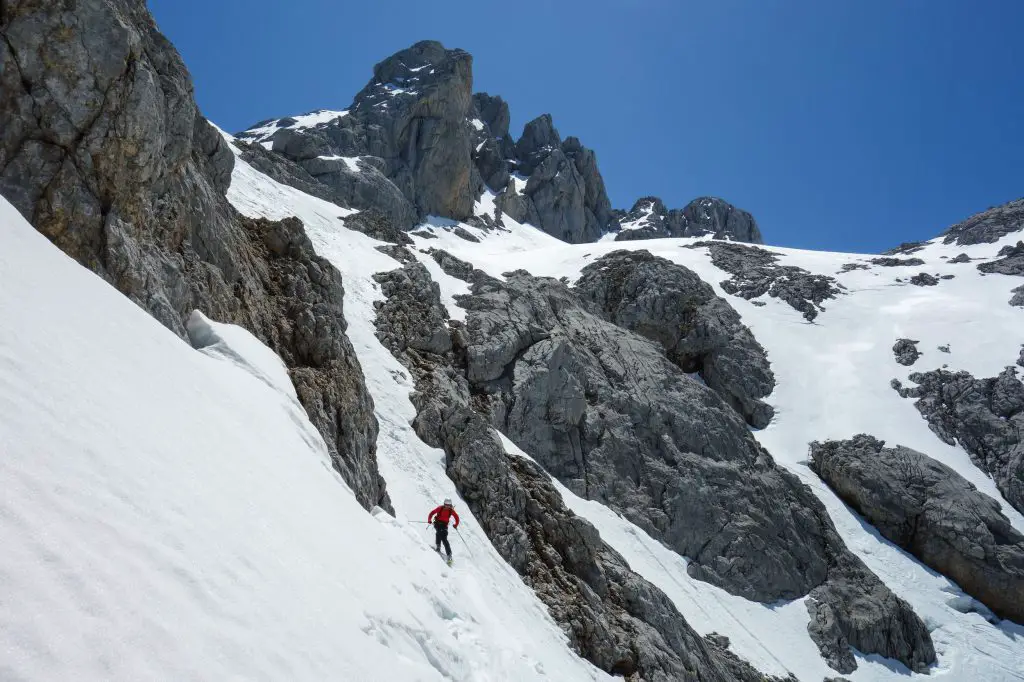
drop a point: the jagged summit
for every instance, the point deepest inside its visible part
(417, 142)
(625, 425)
(704, 216)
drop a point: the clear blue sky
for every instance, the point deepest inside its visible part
(840, 124)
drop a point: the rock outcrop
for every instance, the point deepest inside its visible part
(923, 279)
(355, 182)
(700, 332)
(897, 262)
(989, 226)
(906, 352)
(613, 617)
(755, 272)
(610, 416)
(702, 217)
(1010, 261)
(103, 150)
(932, 512)
(1018, 297)
(985, 416)
(563, 184)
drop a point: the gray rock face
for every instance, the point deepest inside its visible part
(989, 226)
(648, 219)
(412, 307)
(755, 273)
(719, 219)
(906, 352)
(897, 262)
(366, 189)
(604, 411)
(923, 279)
(932, 512)
(613, 618)
(855, 609)
(960, 258)
(103, 150)
(1011, 261)
(493, 147)
(564, 185)
(409, 129)
(985, 416)
(704, 216)
(699, 331)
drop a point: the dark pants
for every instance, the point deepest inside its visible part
(441, 536)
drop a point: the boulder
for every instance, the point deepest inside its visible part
(923, 279)
(932, 512)
(906, 352)
(700, 332)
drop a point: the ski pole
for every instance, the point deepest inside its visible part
(459, 533)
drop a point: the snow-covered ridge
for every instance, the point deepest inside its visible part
(263, 131)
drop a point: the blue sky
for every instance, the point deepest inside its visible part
(840, 124)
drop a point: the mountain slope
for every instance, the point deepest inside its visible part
(833, 381)
(172, 514)
(625, 426)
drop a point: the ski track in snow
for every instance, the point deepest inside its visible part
(171, 514)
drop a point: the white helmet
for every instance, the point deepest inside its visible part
(447, 501)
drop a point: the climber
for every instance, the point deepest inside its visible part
(443, 513)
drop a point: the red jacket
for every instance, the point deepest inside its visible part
(443, 514)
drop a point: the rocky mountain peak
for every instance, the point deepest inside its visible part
(416, 142)
(704, 216)
(436, 79)
(539, 139)
(718, 218)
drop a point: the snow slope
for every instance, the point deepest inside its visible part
(171, 514)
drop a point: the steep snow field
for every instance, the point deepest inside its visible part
(170, 513)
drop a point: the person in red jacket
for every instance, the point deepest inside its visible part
(440, 517)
